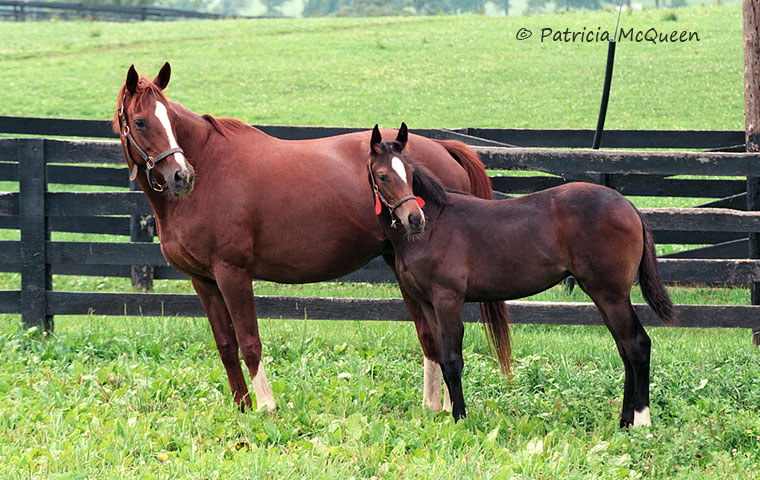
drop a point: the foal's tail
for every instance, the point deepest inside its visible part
(496, 322)
(480, 184)
(652, 286)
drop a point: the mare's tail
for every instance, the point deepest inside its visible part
(480, 184)
(652, 286)
(496, 322)
(493, 314)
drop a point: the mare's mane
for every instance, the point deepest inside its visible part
(227, 127)
(424, 182)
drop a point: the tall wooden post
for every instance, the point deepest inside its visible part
(751, 12)
(36, 276)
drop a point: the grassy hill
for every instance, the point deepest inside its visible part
(428, 71)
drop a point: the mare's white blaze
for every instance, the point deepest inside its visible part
(641, 418)
(163, 116)
(431, 391)
(263, 391)
(398, 167)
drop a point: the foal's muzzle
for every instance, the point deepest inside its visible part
(415, 223)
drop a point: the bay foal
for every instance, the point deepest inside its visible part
(459, 248)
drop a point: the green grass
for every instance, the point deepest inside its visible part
(148, 397)
(119, 398)
(427, 71)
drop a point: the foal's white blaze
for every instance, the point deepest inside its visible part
(263, 391)
(641, 418)
(398, 167)
(163, 117)
(431, 391)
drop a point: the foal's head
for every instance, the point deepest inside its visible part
(145, 120)
(391, 177)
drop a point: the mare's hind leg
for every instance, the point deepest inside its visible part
(431, 389)
(237, 290)
(224, 336)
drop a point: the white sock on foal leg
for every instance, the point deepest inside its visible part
(642, 417)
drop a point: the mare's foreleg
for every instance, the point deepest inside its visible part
(237, 289)
(431, 389)
(224, 336)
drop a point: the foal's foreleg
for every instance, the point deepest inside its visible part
(237, 289)
(448, 312)
(431, 388)
(224, 336)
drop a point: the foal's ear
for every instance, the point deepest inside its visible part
(132, 79)
(162, 79)
(374, 143)
(402, 137)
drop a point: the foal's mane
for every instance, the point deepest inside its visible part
(225, 126)
(424, 183)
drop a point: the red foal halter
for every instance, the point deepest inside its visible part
(150, 162)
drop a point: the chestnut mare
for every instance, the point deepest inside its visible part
(233, 204)
(459, 248)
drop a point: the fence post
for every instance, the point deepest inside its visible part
(141, 229)
(36, 275)
(751, 13)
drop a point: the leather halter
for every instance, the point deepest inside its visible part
(390, 206)
(150, 162)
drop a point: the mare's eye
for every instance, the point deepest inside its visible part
(382, 177)
(140, 123)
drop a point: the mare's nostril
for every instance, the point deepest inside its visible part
(177, 177)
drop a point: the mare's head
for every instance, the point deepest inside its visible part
(145, 120)
(391, 175)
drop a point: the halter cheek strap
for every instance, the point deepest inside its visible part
(150, 162)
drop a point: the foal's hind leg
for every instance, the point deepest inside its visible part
(431, 390)
(237, 290)
(634, 346)
(224, 336)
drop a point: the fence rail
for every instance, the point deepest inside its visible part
(21, 10)
(37, 163)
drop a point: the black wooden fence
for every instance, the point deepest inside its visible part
(36, 163)
(21, 10)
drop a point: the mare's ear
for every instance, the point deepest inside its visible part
(402, 137)
(374, 143)
(132, 79)
(162, 79)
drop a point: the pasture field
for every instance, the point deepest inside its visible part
(148, 397)
(428, 71)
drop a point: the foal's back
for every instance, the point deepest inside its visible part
(517, 247)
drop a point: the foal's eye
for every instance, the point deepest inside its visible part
(382, 177)
(140, 123)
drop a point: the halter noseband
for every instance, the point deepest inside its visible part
(150, 162)
(390, 206)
